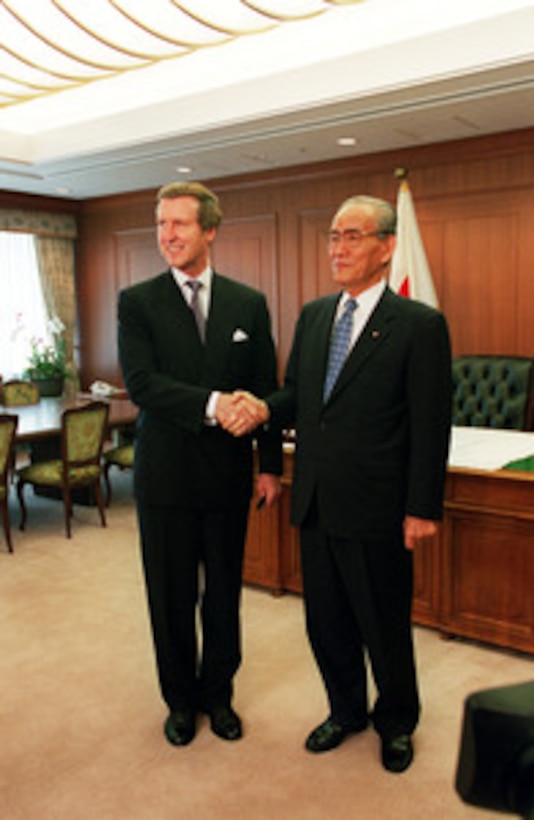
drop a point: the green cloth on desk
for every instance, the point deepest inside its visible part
(526, 463)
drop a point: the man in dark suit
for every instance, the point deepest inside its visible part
(182, 354)
(370, 463)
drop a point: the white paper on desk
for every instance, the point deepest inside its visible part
(484, 448)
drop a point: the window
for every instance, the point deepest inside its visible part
(23, 313)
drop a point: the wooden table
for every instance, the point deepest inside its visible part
(38, 422)
(40, 426)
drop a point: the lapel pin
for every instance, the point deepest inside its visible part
(375, 334)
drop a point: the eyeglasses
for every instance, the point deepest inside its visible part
(352, 236)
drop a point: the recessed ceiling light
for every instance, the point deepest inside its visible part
(183, 169)
(346, 141)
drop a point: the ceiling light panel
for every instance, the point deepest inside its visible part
(284, 10)
(164, 19)
(105, 25)
(228, 16)
(28, 83)
(53, 45)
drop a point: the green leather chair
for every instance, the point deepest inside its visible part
(493, 391)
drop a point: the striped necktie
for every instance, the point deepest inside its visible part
(339, 346)
(194, 304)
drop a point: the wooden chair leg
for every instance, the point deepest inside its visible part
(107, 468)
(7, 528)
(23, 510)
(67, 503)
(100, 502)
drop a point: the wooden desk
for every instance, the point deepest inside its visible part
(486, 555)
(476, 580)
(43, 421)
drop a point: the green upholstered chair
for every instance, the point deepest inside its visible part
(83, 429)
(18, 392)
(121, 457)
(8, 428)
(493, 391)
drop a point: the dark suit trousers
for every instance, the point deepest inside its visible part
(194, 558)
(358, 597)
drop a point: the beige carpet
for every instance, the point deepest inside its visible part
(81, 718)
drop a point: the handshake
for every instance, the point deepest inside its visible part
(240, 412)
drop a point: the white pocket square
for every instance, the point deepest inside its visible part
(239, 335)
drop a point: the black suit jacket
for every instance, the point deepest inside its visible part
(377, 450)
(170, 375)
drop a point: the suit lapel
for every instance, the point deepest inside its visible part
(219, 327)
(173, 297)
(374, 334)
(171, 302)
(318, 343)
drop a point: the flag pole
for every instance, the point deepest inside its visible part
(410, 274)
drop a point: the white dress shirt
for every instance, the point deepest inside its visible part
(204, 293)
(367, 301)
(204, 301)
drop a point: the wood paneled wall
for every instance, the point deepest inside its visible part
(475, 206)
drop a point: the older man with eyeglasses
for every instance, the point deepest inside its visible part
(368, 388)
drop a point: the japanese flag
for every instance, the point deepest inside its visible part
(410, 275)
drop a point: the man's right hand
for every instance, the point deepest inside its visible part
(240, 412)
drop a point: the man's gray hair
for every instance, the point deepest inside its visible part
(384, 212)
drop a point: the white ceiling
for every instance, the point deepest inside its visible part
(389, 73)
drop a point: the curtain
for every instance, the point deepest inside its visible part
(23, 312)
(56, 268)
(55, 236)
(39, 223)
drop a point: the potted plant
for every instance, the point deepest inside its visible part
(47, 361)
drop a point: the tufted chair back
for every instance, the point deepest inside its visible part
(493, 391)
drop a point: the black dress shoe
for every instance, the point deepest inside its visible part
(330, 734)
(225, 722)
(180, 727)
(397, 753)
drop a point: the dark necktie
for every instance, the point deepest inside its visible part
(339, 346)
(200, 319)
